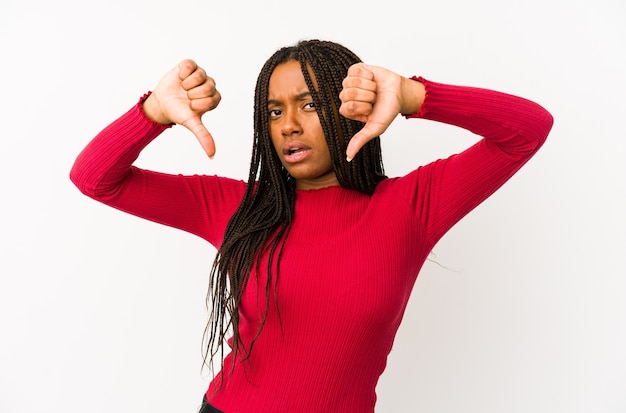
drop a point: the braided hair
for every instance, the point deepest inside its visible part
(262, 221)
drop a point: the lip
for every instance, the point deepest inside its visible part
(294, 151)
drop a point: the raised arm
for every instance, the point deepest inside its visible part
(513, 130)
(104, 169)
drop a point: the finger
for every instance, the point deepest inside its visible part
(203, 105)
(201, 133)
(185, 68)
(377, 122)
(196, 78)
(359, 83)
(356, 110)
(359, 94)
(367, 133)
(360, 70)
(205, 90)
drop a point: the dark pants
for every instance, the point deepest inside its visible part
(207, 408)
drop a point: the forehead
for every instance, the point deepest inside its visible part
(286, 80)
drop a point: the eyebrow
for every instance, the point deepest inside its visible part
(301, 96)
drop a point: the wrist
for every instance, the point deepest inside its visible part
(153, 111)
(413, 95)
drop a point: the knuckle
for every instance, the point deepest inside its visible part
(350, 94)
(360, 71)
(197, 77)
(349, 107)
(187, 66)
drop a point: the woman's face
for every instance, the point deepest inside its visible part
(296, 131)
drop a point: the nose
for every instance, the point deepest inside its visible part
(291, 123)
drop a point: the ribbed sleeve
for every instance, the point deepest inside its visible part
(104, 171)
(513, 129)
(105, 162)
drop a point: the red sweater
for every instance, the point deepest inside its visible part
(350, 260)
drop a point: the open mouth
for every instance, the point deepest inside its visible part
(295, 153)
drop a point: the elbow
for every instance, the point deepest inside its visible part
(544, 124)
(94, 182)
(538, 127)
(78, 176)
(85, 178)
(529, 134)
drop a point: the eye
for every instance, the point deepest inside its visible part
(275, 113)
(309, 106)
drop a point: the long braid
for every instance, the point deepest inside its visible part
(329, 63)
(262, 221)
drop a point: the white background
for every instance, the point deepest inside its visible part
(523, 310)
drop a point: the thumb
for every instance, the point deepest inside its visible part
(195, 125)
(371, 130)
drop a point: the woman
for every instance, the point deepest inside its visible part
(318, 251)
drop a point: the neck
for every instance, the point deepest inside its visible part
(317, 183)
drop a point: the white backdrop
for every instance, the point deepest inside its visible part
(104, 312)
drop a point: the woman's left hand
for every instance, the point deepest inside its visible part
(375, 96)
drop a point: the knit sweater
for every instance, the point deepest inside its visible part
(350, 260)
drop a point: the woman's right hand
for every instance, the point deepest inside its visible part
(182, 96)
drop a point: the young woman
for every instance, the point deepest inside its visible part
(318, 251)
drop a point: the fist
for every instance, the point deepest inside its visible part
(182, 96)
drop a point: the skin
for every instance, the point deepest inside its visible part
(296, 131)
(371, 94)
(375, 96)
(182, 96)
